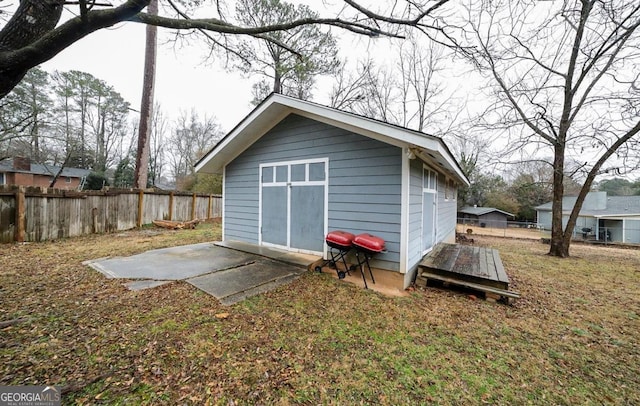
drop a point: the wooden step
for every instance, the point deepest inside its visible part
(471, 285)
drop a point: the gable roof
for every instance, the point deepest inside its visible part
(276, 107)
(44, 169)
(614, 206)
(479, 211)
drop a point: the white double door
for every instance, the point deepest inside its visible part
(293, 205)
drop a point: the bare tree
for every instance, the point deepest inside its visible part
(421, 90)
(31, 37)
(157, 145)
(192, 137)
(564, 84)
(408, 93)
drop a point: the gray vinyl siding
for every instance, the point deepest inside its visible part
(415, 220)
(544, 219)
(583, 222)
(446, 214)
(415, 213)
(241, 202)
(364, 181)
(493, 220)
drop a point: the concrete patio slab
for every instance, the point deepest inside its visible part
(175, 263)
(235, 284)
(230, 275)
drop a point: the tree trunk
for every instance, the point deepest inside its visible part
(277, 81)
(142, 155)
(559, 245)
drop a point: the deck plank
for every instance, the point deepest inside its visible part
(491, 264)
(442, 257)
(476, 286)
(501, 274)
(483, 270)
(466, 264)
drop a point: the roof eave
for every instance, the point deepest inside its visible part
(276, 107)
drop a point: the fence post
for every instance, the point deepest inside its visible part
(193, 207)
(170, 206)
(20, 216)
(140, 207)
(94, 220)
(209, 207)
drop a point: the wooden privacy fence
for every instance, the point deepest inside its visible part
(40, 214)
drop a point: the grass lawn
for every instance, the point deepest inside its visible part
(574, 337)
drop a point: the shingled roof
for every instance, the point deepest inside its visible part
(43, 169)
(479, 211)
(614, 206)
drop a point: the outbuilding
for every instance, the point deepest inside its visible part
(293, 170)
(484, 216)
(601, 218)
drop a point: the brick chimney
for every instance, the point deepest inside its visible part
(21, 164)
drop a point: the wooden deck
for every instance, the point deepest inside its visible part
(477, 268)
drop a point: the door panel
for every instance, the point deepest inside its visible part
(307, 217)
(274, 215)
(428, 220)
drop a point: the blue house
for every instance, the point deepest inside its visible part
(294, 170)
(601, 218)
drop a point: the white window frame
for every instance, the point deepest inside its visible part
(433, 191)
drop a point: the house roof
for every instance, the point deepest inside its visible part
(616, 206)
(43, 169)
(479, 211)
(276, 107)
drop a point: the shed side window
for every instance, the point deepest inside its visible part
(447, 190)
(429, 179)
(3, 179)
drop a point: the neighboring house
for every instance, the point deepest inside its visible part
(294, 170)
(484, 216)
(20, 171)
(614, 218)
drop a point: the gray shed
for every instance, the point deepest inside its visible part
(294, 170)
(484, 216)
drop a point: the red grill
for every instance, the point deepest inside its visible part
(366, 246)
(340, 241)
(369, 243)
